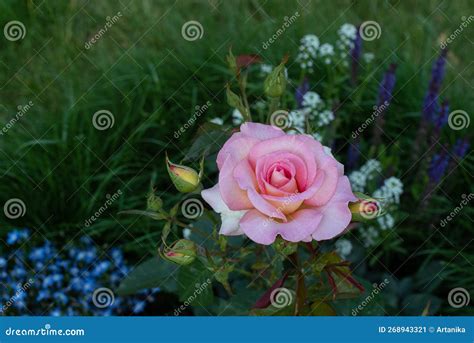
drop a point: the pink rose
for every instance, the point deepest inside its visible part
(272, 183)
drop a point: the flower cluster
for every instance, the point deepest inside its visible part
(308, 50)
(363, 180)
(63, 281)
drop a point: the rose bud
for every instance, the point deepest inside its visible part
(154, 203)
(184, 178)
(365, 208)
(275, 83)
(181, 252)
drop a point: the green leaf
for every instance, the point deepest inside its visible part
(150, 214)
(210, 139)
(194, 285)
(154, 272)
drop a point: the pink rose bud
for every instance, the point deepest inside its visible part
(184, 178)
(365, 208)
(181, 252)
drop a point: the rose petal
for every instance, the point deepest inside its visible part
(245, 178)
(288, 144)
(213, 197)
(235, 198)
(237, 147)
(230, 219)
(328, 187)
(336, 213)
(260, 131)
(264, 230)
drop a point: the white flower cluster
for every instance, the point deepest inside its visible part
(369, 235)
(314, 110)
(343, 247)
(326, 53)
(390, 191)
(307, 52)
(265, 69)
(237, 117)
(366, 173)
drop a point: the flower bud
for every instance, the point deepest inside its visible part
(154, 203)
(232, 62)
(233, 99)
(181, 252)
(275, 83)
(366, 208)
(184, 178)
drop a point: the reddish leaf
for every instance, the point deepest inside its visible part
(264, 301)
(246, 60)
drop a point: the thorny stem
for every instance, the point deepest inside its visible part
(300, 284)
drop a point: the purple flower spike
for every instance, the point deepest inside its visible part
(438, 166)
(387, 85)
(302, 89)
(355, 56)
(461, 147)
(430, 104)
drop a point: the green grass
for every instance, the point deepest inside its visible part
(150, 78)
